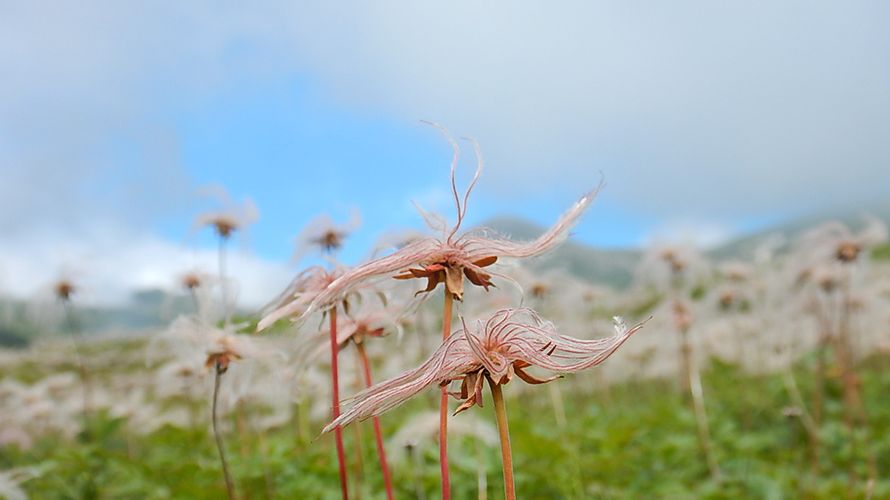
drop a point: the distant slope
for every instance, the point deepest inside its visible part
(746, 246)
(611, 267)
(616, 267)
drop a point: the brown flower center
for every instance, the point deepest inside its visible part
(451, 272)
(847, 251)
(330, 241)
(64, 290)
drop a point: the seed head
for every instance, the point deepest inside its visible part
(454, 256)
(498, 349)
(64, 289)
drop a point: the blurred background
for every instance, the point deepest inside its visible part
(743, 156)
(707, 123)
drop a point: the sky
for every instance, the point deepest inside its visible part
(705, 120)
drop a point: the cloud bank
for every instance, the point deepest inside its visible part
(701, 108)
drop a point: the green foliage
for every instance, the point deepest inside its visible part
(881, 252)
(643, 307)
(699, 291)
(13, 337)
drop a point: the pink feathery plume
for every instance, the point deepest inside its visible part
(452, 256)
(510, 341)
(301, 291)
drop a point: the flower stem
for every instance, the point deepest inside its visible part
(230, 487)
(222, 280)
(443, 406)
(701, 416)
(267, 471)
(378, 434)
(481, 476)
(819, 393)
(335, 390)
(852, 397)
(500, 411)
(86, 383)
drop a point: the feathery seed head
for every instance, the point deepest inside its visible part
(231, 217)
(300, 293)
(324, 235)
(455, 255)
(498, 349)
(64, 289)
(847, 251)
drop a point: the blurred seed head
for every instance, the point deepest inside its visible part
(323, 235)
(847, 251)
(230, 217)
(64, 289)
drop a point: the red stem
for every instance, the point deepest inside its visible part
(378, 434)
(443, 407)
(335, 389)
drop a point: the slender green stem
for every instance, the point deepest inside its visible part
(224, 286)
(559, 407)
(230, 487)
(701, 416)
(358, 466)
(853, 404)
(335, 390)
(481, 476)
(86, 383)
(797, 400)
(193, 291)
(500, 411)
(378, 434)
(443, 406)
(819, 382)
(692, 378)
(411, 448)
(267, 470)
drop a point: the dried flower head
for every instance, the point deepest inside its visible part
(847, 251)
(682, 315)
(827, 277)
(64, 289)
(540, 291)
(498, 349)
(727, 298)
(674, 260)
(190, 280)
(672, 265)
(301, 291)
(836, 241)
(356, 328)
(221, 346)
(736, 271)
(454, 256)
(324, 235)
(231, 217)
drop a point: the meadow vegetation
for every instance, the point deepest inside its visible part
(763, 377)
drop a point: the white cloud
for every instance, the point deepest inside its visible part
(738, 109)
(112, 263)
(701, 233)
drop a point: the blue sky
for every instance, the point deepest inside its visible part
(298, 156)
(705, 120)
